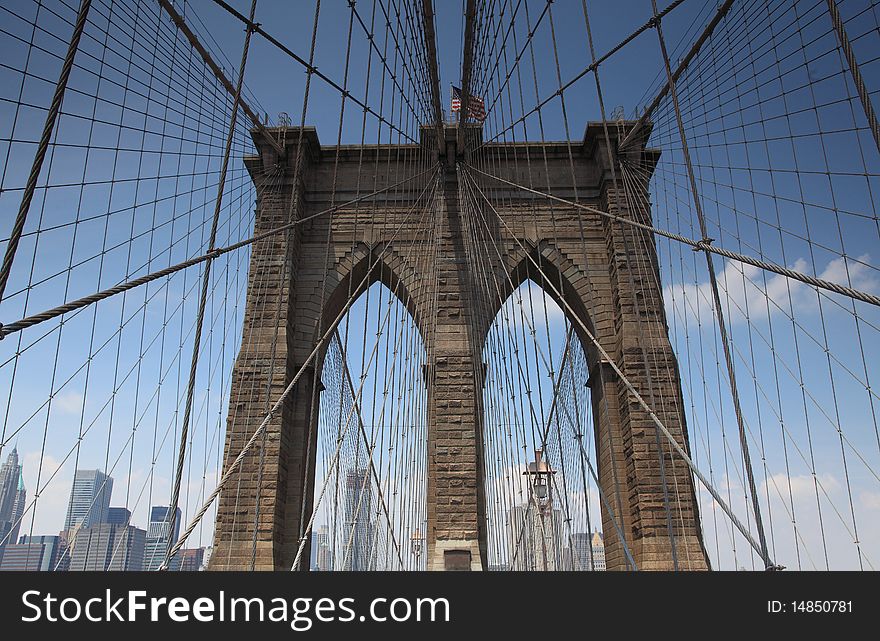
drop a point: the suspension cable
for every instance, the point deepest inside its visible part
(42, 146)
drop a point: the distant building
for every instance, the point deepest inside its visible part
(321, 556)
(32, 554)
(62, 564)
(357, 534)
(89, 499)
(19, 505)
(12, 500)
(206, 558)
(537, 538)
(580, 551)
(598, 549)
(191, 560)
(158, 534)
(118, 516)
(587, 546)
(313, 558)
(106, 546)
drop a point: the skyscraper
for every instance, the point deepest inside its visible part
(358, 527)
(89, 499)
(587, 546)
(157, 538)
(118, 516)
(12, 499)
(597, 548)
(106, 546)
(321, 549)
(33, 554)
(9, 474)
(62, 564)
(206, 557)
(313, 560)
(537, 538)
(191, 560)
(19, 505)
(580, 551)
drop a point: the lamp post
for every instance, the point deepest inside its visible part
(540, 474)
(540, 477)
(416, 543)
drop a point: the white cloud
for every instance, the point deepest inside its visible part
(801, 486)
(69, 403)
(804, 525)
(869, 500)
(745, 289)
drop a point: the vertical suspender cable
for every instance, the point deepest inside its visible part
(48, 129)
(862, 90)
(466, 71)
(719, 312)
(661, 454)
(171, 517)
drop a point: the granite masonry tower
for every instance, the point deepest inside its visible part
(608, 274)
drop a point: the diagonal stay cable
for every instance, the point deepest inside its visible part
(674, 75)
(716, 298)
(526, 323)
(704, 245)
(312, 69)
(619, 372)
(48, 129)
(171, 515)
(356, 400)
(568, 84)
(319, 345)
(846, 46)
(218, 72)
(85, 301)
(363, 434)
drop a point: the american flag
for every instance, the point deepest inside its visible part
(476, 106)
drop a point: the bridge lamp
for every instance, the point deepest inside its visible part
(416, 543)
(539, 472)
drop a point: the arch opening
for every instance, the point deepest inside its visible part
(369, 491)
(542, 502)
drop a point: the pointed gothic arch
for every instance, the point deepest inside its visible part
(290, 273)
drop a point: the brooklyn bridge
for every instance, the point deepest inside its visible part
(269, 295)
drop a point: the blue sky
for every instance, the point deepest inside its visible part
(785, 168)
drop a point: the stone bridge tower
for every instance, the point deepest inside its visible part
(607, 275)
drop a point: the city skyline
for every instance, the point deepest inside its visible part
(114, 542)
(96, 535)
(474, 322)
